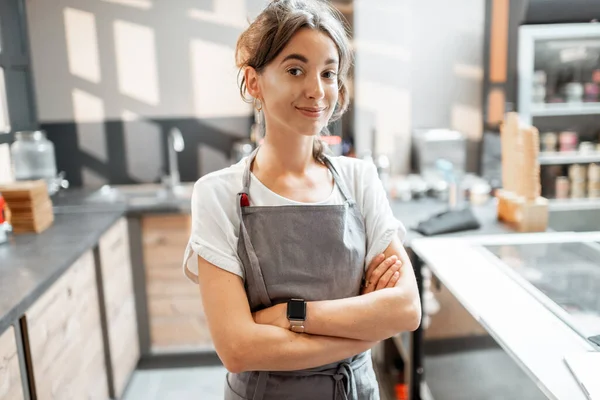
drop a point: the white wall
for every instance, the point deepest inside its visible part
(419, 64)
(137, 61)
(99, 59)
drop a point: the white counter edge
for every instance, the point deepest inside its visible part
(529, 332)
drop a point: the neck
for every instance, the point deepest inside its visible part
(286, 154)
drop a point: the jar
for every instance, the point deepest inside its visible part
(568, 141)
(549, 141)
(578, 189)
(33, 156)
(562, 187)
(594, 172)
(587, 147)
(577, 172)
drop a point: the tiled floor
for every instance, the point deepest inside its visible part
(203, 383)
(488, 374)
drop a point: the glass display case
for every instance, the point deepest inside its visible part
(536, 294)
(563, 276)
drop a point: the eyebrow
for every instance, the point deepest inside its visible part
(303, 59)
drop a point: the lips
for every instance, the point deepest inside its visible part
(311, 112)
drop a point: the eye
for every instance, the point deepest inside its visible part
(329, 75)
(294, 71)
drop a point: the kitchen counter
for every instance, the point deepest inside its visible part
(411, 213)
(151, 201)
(30, 263)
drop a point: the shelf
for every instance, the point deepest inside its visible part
(573, 204)
(402, 342)
(558, 109)
(568, 157)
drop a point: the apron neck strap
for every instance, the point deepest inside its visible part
(338, 180)
(336, 177)
(246, 177)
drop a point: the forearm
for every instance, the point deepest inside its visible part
(373, 317)
(271, 348)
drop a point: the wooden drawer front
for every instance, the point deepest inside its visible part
(177, 321)
(117, 278)
(65, 337)
(10, 375)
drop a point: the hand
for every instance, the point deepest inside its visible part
(275, 315)
(382, 273)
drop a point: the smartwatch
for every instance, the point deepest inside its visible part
(296, 314)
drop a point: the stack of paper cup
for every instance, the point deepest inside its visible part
(594, 181)
(529, 179)
(577, 174)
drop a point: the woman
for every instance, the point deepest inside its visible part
(281, 239)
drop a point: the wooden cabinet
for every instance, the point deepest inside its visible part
(176, 318)
(119, 303)
(11, 386)
(65, 337)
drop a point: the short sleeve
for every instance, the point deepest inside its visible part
(214, 231)
(380, 223)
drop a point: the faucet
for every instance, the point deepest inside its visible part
(175, 145)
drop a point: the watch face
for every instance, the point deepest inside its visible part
(296, 309)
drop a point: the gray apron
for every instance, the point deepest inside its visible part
(313, 252)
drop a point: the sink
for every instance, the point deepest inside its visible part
(144, 194)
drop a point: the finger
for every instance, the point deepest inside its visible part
(394, 279)
(374, 263)
(381, 268)
(385, 279)
(373, 277)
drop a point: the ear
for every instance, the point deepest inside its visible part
(252, 85)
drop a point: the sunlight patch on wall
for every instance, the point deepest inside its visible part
(214, 79)
(137, 73)
(82, 44)
(474, 72)
(468, 120)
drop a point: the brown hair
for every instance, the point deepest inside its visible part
(270, 32)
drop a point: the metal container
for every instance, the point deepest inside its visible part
(434, 144)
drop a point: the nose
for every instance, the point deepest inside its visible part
(314, 87)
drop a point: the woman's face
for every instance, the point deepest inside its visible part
(299, 88)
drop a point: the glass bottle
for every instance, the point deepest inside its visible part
(33, 156)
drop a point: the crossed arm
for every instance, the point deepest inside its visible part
(335, 329)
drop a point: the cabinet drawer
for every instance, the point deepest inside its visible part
(10, 375)
(65, 337)
(119, 302)
(175, 311)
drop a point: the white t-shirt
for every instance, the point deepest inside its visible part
(216, 225)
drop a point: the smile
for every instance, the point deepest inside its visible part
(311, 112)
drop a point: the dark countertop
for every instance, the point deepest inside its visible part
(30, 263)
(87, 200)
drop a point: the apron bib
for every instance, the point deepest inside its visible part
(314, 252)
